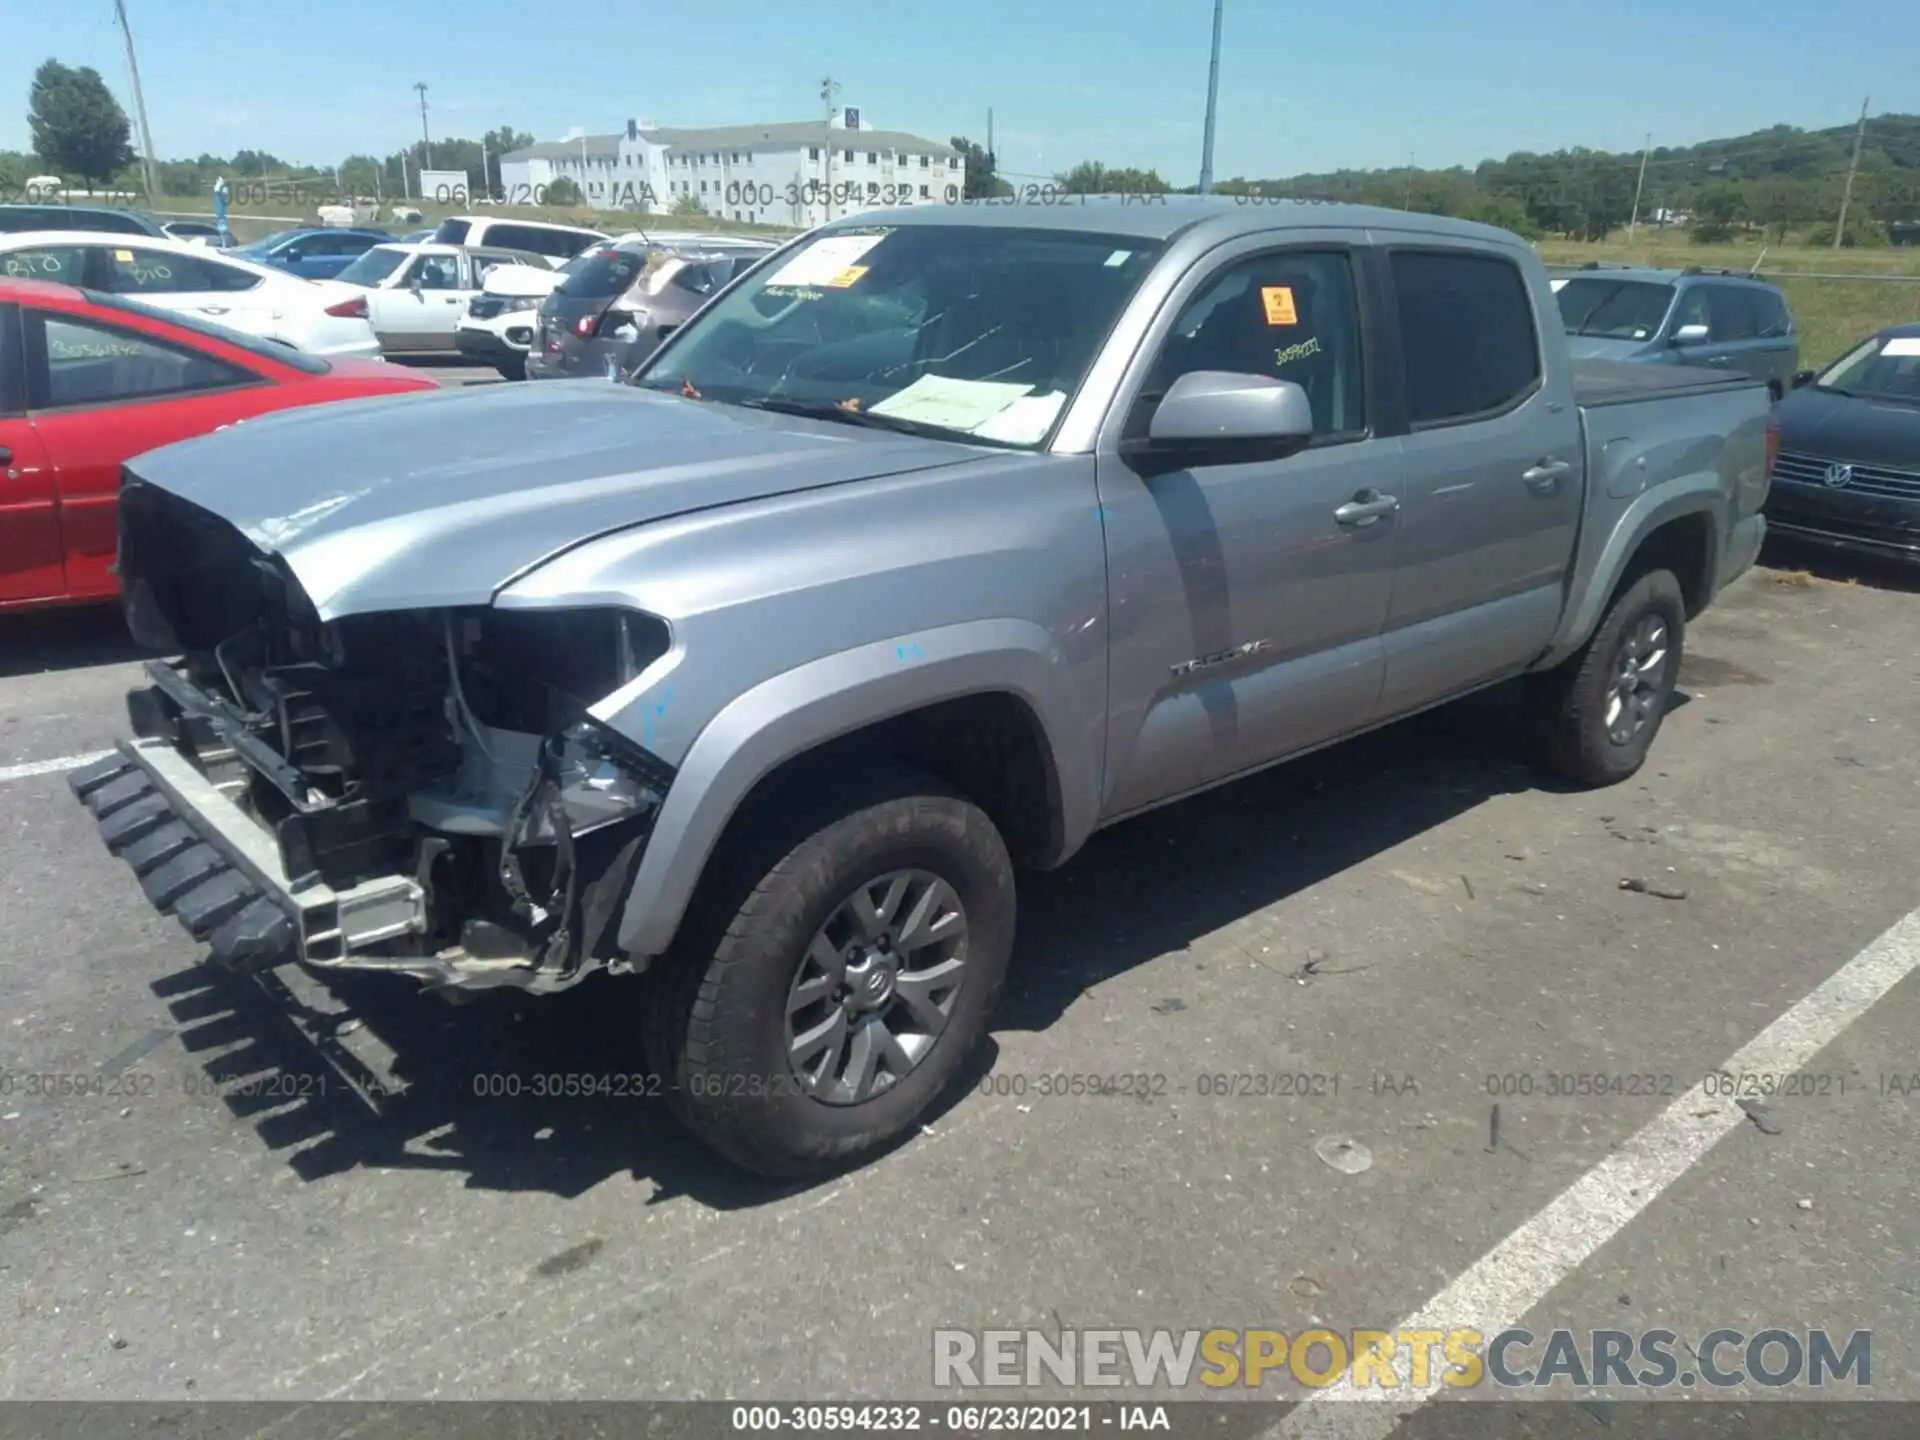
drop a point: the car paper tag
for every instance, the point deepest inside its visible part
(1902, 347)
(1278, 300)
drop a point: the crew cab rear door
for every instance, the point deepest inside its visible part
(1490, 475)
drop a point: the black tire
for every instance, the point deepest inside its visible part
(515, 369)
(1570, 703)
(716, 1026)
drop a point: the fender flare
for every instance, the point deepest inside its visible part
(1700, 494)
(813, 703)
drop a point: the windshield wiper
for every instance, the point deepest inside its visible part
(813, 410)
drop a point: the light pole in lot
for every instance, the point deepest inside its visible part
(1213, 103)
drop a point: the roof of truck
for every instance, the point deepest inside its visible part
(1161, 217)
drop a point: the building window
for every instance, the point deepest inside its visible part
(813, 152)
(926, 193)
(703, 187)
(923, 162)
(847, 155)
(953, 162)
(873, 157)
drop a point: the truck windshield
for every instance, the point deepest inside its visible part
(1887, 367)
(1614, 309)
(983, 333)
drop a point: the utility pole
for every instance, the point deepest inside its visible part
(993, 168)
(1213, 104)
(829, 87)
(1407, 203)
(1846, 195)
(1634, 219)
(150, 167)
(426, 142)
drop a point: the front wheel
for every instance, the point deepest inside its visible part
(848, 987)
(514, 369)
(1596, 714)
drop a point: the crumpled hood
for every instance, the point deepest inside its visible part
(412, 501)
(1599, 347)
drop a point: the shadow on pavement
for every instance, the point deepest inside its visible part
(486, 1095)
(45, 641)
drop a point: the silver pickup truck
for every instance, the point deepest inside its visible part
(941, 539)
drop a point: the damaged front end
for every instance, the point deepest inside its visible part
(421, 792)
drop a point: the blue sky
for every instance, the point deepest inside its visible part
(1304, 86)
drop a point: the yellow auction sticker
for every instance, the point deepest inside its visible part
(846, 277)
(1278, 300)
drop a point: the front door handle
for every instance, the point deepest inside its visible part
(1545, 478)
(1369, 507)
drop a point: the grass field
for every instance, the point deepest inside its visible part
(1832, 314)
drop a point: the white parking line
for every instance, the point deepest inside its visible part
(1514, 1276)
(50, 767)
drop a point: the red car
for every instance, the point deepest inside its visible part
(88, 381)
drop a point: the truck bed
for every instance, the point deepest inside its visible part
(1620, 382)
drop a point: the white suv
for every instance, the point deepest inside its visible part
(499, 325)
(559, 243)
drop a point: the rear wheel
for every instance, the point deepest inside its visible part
(514, 369)
(843, 992)
(1597, 713)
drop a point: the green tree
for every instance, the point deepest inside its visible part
(983, 171)
(78, 128)
(688, 205)
(1090, 177)
(563, 192)
(500, 142)
(1717, 212)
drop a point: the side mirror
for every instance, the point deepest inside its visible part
(1803, 378)
(1690, 335)
(1215, 417)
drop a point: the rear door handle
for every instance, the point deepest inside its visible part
(1545, 477)
(1367, 508)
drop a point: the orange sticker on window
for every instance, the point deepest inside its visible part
(1279, 302)
(846, 277)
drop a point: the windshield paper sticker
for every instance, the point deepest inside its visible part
(846, 277)
(1278, 300)
(1902, 347)
(1024, 421)
(826, 260)
(954, 404)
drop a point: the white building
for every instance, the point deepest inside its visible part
(800, 174)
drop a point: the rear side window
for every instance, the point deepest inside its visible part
(1770, 310)
(1467, 332)
(560, 244)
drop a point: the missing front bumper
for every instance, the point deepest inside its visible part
(205, 861)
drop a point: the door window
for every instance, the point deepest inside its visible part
(1288, 316)
(63, 264)
(1692, 309)
(1467, 333)
(1771, 314)
(1733, 317)
(435, 272)
(137, 271)
(87, 363)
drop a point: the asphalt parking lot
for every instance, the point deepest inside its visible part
(1416, 918)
